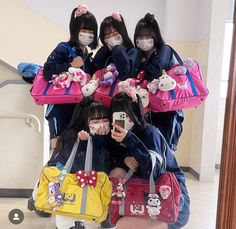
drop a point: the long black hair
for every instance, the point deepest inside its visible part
(119, 26)
(85, 21)
(122, 102)
(149, 26)
(86, 110)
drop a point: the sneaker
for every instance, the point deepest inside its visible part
(31, 207)
(78, 225)
(107, 223)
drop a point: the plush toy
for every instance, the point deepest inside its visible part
(79, 75)
(128, 86)
(153, 205)
(62, 80)
(140, 76)
(110, 75)
(166, 83)
(189, 63)
(144, 95)
(153, 86)
(119, 193)
(179, 70)
(89, 88)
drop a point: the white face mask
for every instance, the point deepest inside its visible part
(128, 123)
(145, 44)
(85, 38)
(115, 40)
(95, 126)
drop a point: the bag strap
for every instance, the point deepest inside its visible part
(70, 50)
(89, 156)
(71, 158)
(152, 189)
(154, 157)
(187, 72)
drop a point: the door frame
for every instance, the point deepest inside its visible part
(226, 209)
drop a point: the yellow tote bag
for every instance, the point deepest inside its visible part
(59, 192)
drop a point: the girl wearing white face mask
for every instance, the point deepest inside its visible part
(89, 118)
(158, 56)
(117, 48)
(130, 150)
(73, 53)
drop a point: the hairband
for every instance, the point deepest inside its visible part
(81, 9)
(116, 16)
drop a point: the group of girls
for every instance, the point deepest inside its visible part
(115, 152)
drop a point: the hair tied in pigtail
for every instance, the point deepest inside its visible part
(116, 16)
(149, 18)
(81, 9)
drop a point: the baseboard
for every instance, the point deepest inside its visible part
(190, 170)
(15, 193)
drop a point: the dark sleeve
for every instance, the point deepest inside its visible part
(57, 62)
(100, 59)
(117, 154)
(88, 67)
(162, 60)
(141, 153)
(126, 61)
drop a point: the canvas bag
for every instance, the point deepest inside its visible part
(133, 204)
(44, 93)
(78, 202)
(190, 90)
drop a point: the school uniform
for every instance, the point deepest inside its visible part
(127, 61)
(169, 123)
(59, 60)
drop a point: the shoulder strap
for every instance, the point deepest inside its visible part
(70, 50)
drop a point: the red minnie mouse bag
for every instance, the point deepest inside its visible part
(146, 199)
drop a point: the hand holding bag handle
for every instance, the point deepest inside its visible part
(152, 189)
(88, 158)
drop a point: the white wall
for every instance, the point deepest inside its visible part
(21, 147)
(132, 10)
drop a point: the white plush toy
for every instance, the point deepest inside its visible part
(153, 86)
(89, 88)
(144, 95)
(166, 83)
(153, 205)
(79, 75)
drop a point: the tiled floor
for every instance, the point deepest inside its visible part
(203, 209)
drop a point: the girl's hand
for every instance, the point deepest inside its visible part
(118, 136)
(83, 135)
(77, 62)
(131, 163)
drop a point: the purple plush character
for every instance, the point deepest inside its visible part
(110, 75)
